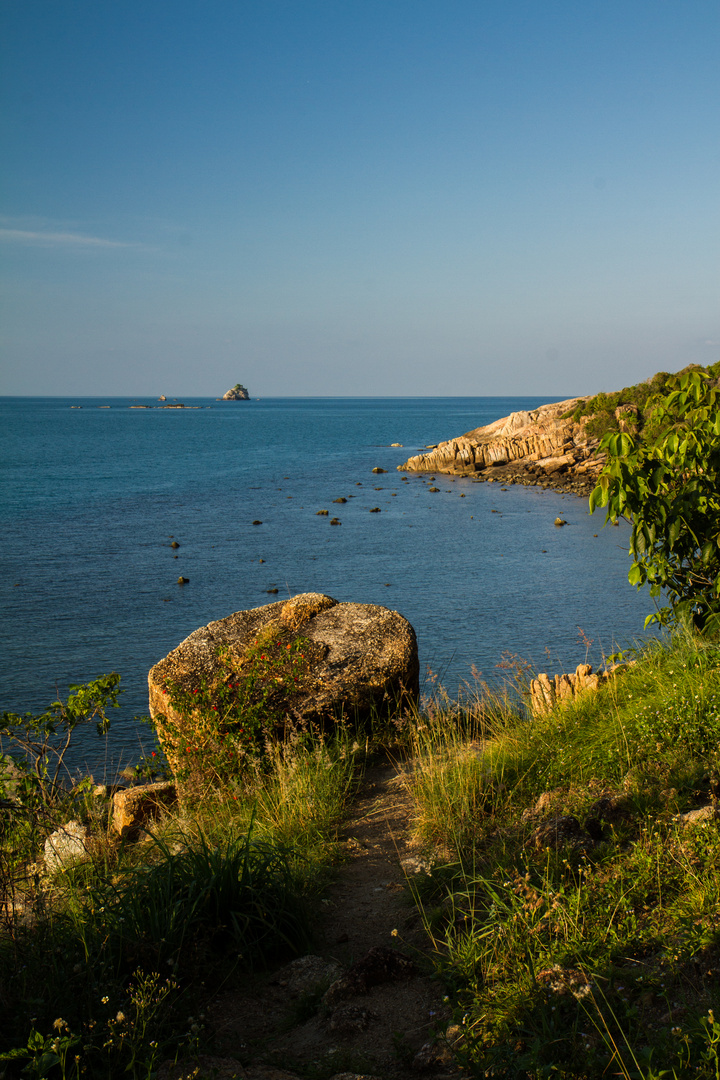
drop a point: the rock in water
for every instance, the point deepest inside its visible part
(237, 393)
(365, 661)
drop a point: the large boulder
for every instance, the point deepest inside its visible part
(362, 660)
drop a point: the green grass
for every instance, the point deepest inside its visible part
(592, 958)
(598, 957)
(140, 931)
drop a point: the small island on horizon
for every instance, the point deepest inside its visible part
(237, 393)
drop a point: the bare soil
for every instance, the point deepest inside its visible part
(279, 1021)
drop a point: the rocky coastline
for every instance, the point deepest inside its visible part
(542, 447)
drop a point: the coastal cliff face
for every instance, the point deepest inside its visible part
(530, 447)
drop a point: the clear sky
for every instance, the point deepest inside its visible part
(362, 197)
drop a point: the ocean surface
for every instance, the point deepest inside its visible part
(94, 492)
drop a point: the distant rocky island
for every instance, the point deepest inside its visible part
(237, 393)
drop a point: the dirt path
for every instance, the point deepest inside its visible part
(280, 1019)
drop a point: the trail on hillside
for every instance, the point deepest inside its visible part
(279, 1019)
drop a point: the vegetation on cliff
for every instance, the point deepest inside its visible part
(601, 408)
(665, 480)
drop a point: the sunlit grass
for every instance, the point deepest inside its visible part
(599, 955)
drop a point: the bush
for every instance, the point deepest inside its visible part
(668, 486)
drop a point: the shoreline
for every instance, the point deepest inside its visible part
(543, 447)
(516, 472)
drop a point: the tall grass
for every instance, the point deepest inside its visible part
(600, 954)
(138, 931)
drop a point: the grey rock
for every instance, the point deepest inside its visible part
(379, 965)
(561, 832)
(237, 393)
(363, 661)
(66, 846)
(305, 974)
(350, 1019)
(697, 817)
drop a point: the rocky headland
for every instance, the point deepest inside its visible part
(544, 446)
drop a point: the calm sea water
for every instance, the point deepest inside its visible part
(93, 496)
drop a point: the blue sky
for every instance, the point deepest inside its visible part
(357, 197)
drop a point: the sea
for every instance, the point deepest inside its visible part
(95, 491)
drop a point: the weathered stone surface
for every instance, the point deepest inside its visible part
(379, 965)
(698, 817)
(545, 693)
(207, 1067)
(67, 845)
(304, 975)
(134, 807)
(540, 442)
(353, 1076)
(609, 809)
(627, 418)
(349, 1019)
(366, 661)
(237, 393)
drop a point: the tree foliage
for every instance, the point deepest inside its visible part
(43, 739)
(666, 483)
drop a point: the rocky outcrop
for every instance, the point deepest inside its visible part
(362, 659)
(134, 807)
(66, 846)
(237, 393)
(541, 444)
(545, 692)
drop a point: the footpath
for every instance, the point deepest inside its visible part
(364, 1006)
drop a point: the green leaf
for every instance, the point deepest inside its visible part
(599, 497)
(635, 576)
